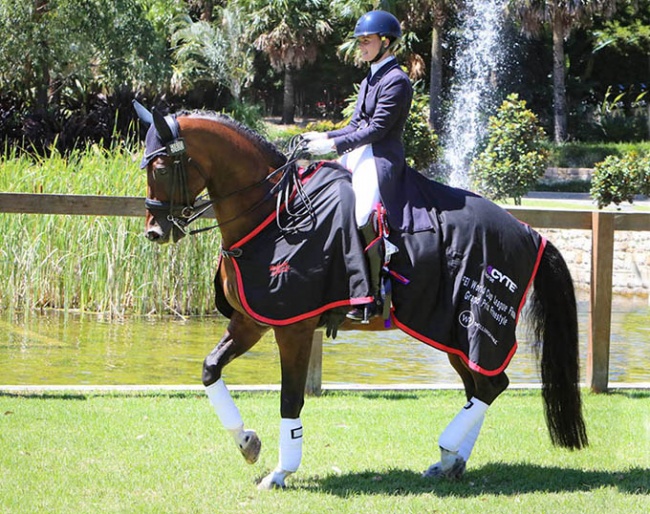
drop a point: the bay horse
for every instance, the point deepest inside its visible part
(460, 291)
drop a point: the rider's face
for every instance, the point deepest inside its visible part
(369, 46)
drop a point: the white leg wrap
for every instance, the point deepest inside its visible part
(467, 445)
(453, 436)
(225, 407)
(290, 444)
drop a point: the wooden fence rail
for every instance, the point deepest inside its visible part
(602, 225)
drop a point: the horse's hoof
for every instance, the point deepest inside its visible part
(250, 446)
(457, 470)
(434, 471)
(454, 472)
(274, 480)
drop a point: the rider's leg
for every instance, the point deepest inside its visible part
(365, 185)
(374, 260)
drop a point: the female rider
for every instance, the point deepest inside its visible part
(371, 144)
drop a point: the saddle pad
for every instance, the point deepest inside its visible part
(283, 277)
(468, 279)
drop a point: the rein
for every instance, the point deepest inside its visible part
(190, 212)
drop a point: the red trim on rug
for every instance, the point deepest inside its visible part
(295, 319)
(540, 252)
(455, 351)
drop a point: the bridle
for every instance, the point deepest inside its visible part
(183, 214)
(179, 215)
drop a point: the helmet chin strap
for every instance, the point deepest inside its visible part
(382, 51)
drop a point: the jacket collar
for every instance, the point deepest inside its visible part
(377, 71)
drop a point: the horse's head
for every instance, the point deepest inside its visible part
(171, 190)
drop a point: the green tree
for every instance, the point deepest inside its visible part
(561, 16)
(514, 157)
(289, 33)
(619, 178)
(435, 15)
(54, 48)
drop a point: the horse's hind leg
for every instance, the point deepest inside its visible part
(458, 439)
(241, 335)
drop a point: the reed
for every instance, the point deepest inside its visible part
(101, 264)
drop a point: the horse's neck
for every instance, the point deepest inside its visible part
(236, 165)
(245, 207)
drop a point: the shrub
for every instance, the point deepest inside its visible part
(618, 179)
(586, 155)
(565, 186)
(515, 156)
(248, 114)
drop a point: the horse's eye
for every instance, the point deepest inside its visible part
(161, 170)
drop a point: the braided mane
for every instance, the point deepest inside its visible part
(278, 158)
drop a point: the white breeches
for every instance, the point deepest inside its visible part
(361, 162)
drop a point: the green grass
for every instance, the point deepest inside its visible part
(363, 453)
(573, 205)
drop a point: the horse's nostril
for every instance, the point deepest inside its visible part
(152, 235)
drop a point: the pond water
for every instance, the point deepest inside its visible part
(74, 349)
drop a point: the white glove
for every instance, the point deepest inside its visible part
(321, 146)
(312, 136)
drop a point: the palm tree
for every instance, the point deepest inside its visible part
(562, 16)
(289, 33)
(214, 52)
(435, 13)
(414, 15)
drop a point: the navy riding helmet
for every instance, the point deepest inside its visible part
(378, 22)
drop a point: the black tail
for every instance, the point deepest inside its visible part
(554, 318)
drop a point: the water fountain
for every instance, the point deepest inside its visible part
(477, 62)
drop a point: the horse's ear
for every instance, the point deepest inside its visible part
(143, 113)
(163, 129)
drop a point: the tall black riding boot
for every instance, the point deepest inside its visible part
(374, 260)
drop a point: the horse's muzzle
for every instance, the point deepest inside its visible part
(161, 230)
(159, 225)
(155, 234)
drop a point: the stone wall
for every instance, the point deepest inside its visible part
(631, 273)
(564, 174)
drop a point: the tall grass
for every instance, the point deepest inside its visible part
(94, 263)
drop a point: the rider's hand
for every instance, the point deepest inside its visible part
(321, 146)
(312, 136)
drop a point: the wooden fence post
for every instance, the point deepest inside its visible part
(600, 312)
(315, 370)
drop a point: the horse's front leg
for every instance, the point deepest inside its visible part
(241, 335)
(294, 342)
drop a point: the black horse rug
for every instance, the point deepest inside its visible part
(458, 287)
(467, 279)
(313, 264)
